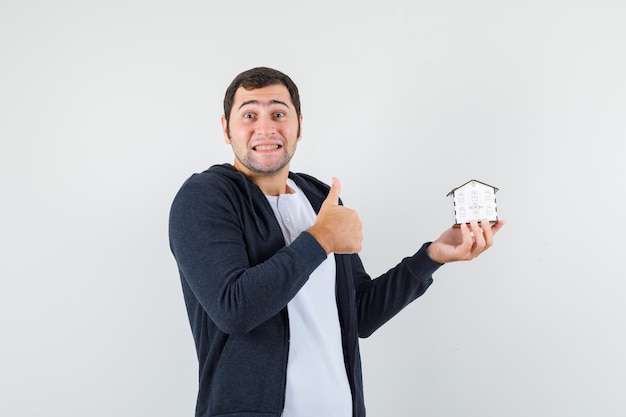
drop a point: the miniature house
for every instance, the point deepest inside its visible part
(474, 200)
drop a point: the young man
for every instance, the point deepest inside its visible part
(276, 293)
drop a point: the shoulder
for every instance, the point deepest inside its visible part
(218, 189)
(221, 180)
(213, 176)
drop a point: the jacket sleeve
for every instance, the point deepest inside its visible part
(207, 240)
(379, 299)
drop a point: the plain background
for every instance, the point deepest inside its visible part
(107, 107)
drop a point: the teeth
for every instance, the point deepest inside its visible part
(266, 147)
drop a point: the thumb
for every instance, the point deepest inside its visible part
(333, 194)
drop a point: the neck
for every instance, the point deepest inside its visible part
(274, 185)
(270, 184)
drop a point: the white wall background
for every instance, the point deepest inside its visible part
(106, 107)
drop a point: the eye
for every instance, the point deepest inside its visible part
(248, 115)
(279, 114)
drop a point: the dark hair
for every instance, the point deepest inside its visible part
(258, 78)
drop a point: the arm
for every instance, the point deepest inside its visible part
(379, 299)
(240, 278)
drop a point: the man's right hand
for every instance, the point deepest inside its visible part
(337, 228)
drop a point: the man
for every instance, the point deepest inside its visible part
(275, 291)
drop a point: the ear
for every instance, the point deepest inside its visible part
(225, 130)
(300, 130)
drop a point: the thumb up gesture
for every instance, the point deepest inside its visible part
(337, 228)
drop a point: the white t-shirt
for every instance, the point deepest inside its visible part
(317, 384)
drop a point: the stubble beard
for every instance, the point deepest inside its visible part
(259, 168)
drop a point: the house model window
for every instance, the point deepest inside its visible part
(474, 200)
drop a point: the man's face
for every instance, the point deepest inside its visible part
(263, 130)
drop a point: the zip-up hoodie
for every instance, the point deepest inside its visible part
(237, 277)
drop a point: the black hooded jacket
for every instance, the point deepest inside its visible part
(237, 277)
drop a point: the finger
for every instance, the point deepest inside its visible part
(479, 237)
(487, 232)
(333, 195)
(496, 227)
(468, 238)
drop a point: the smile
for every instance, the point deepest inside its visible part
(266, 147)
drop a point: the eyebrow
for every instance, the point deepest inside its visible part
(245, 103)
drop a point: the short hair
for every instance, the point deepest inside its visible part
(260, 77)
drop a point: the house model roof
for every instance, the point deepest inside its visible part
(495, 189)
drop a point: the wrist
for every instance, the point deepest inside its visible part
(321, 238)
(431, 251)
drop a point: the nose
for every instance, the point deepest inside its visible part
(265, 125)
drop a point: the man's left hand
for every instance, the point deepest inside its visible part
(464, 243)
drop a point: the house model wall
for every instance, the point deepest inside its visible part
(474, 200)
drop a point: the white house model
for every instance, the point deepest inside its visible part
(474, 200)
